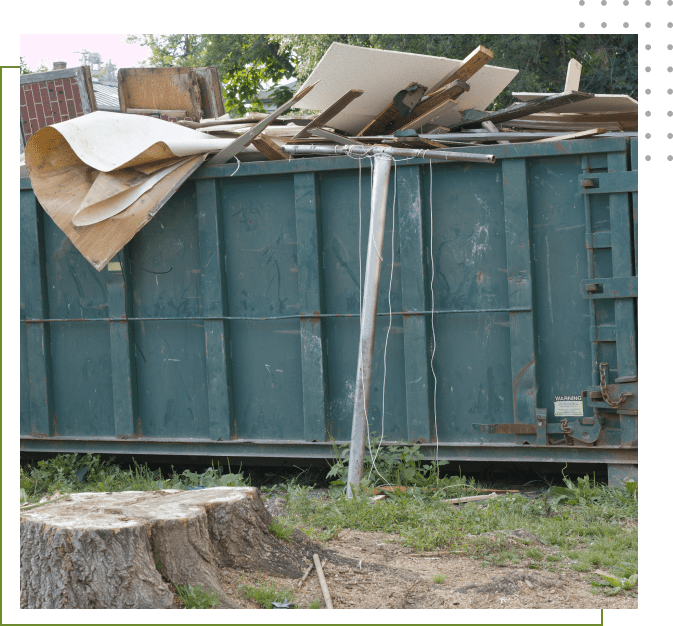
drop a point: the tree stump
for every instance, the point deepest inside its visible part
(116, 550)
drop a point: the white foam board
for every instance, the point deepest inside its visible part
(600, 103)
(382, 73)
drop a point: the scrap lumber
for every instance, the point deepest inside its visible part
(269, 148)
(347, 141)
(600, 103)
(490, 126)
(520, 109)
(246, 138)
(381, 73)
(330, 112)
(472, 63)
(210, 88)
(433, 106)
(471, 499)
(573, 75)
(323, 582)
(403, 103)
(413, 142)
(163, 88)
(168, 112)
(584, 133)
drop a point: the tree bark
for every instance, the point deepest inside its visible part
(117, 550)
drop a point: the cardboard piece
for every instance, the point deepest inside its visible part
(383, 73)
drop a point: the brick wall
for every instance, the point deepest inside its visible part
(49, 102)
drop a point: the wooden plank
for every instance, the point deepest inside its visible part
(160, 88)
(490, 126)
(431, 107)
(579, 135)
(122, 349)
(210, 88)
(521, 109)
(573, 75)
(214, 303)
(313, 358)
(35, 305)
(403, 102)
(347, 141)
(601, 103)
(413, 142)
(269, 148)
(330, 112)
(413, 280)
(472, 63)
(168, 112)
(596, 119)
(426, 118)
(516, 202)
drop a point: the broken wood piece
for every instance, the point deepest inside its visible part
(413, 142)
(490, 126)
(470, 499)
(472, 63)
(269, 148)
(246, 138)
(160, 88)
(377, 498)
(305, 576)
(167, 112)
(431, 107)
(579, 135)
(347, 141)
(521, 109)
(330, 112)
(403, 103)
(323, 582)
(573, 75)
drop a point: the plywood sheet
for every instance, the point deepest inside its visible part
(383, 73)
(600, 103)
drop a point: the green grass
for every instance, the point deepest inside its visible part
(266, 593)
(316, 604)
(197, 598)
(71, 473)
(282, 529)
(439, 579)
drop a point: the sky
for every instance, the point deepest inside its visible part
(37, 49)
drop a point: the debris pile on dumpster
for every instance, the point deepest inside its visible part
(102, 176)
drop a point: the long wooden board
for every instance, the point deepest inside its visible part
(471, 64)
(328, 114)
(410, 96)
(525, 108)
(601, 103)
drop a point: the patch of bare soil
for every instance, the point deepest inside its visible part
(367, 570)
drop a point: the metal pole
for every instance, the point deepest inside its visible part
(441, 155)
(370, 297)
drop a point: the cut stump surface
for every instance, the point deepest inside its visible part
(118, 550)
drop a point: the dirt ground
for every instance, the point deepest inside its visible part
(368, 570)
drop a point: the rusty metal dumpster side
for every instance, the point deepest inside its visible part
(229, 325)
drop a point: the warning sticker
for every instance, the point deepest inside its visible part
(568, 406)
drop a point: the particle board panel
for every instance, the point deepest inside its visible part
(383, 73)
(600, 103)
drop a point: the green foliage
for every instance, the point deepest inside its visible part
(316, 604)
(197, 597)
(396, 464)
(439, 579)
(625, 578)
(283, 529)
(266, 593)
(77, 473)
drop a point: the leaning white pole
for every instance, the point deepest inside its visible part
(382, 164)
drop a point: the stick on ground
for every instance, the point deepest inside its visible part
(323, 582)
